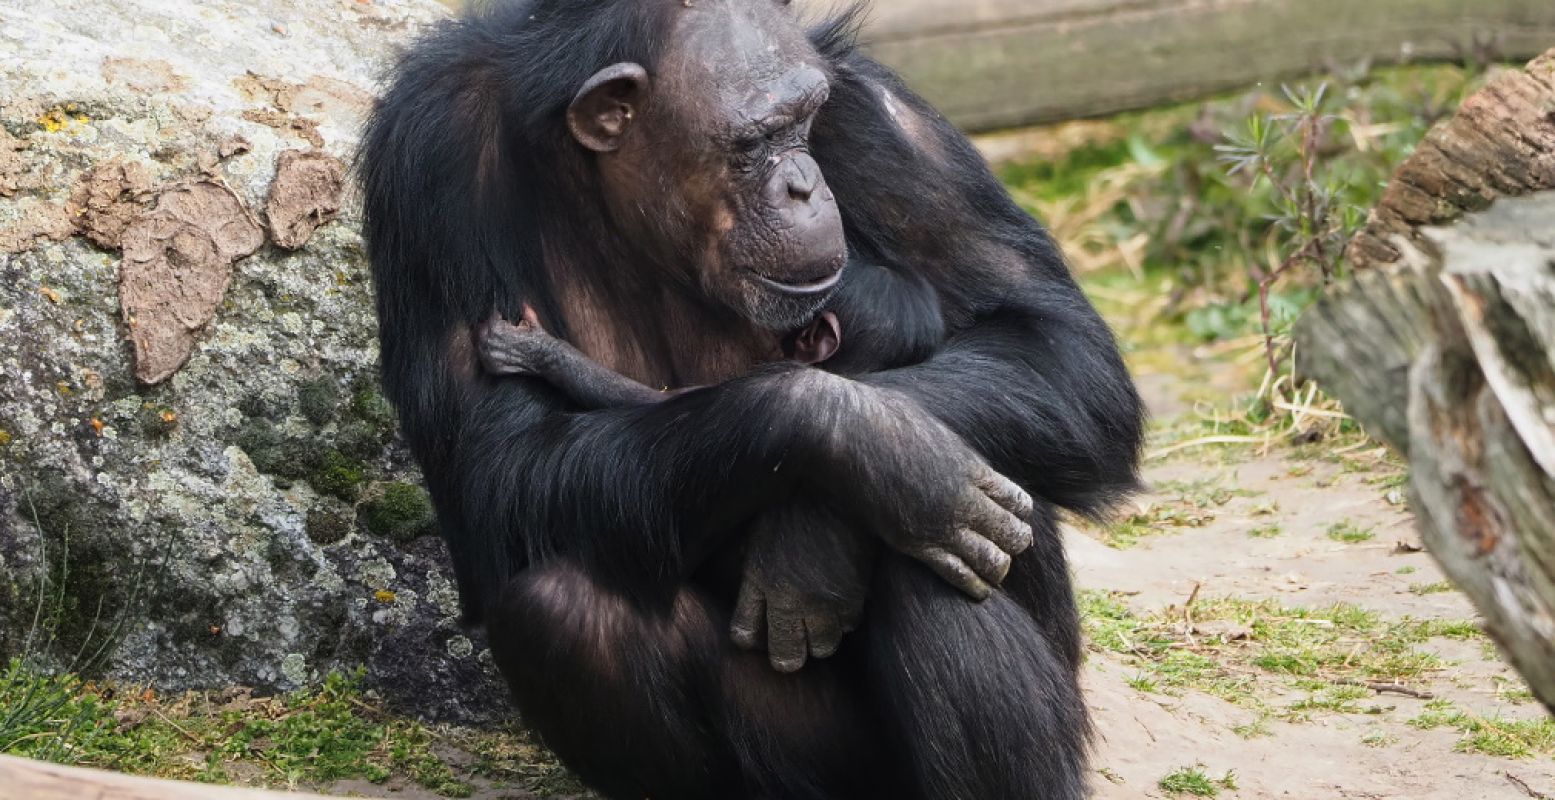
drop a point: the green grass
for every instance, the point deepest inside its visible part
(1194, 782)
(1379, 739)
(1350, 533)
(1504, 738)
(1312, 650)
(1430, 588)
(1171, 246)
(1268, 531)
(307, 739)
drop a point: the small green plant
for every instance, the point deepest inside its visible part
(1379, 739)
(1195, 782)
(1313, 221)
(1268, 531)
(1256, 729)
(1423, 589)
(1350, 533)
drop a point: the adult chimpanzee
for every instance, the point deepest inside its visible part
(646, 176)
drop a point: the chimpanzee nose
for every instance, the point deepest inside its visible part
(800, 184)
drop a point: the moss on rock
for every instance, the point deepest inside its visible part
(319, 400)
(339, 475)
(399, 511)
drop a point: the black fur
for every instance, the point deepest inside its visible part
(583, 539)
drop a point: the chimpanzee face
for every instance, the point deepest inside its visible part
(706, 164)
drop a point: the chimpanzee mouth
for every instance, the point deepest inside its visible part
(813, 285)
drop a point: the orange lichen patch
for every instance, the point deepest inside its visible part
(169, 417)
(384, 596)
(49, 294)
(305, 194)
(62, 118)
(98, 425)
(177, 263)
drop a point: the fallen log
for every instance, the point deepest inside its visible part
(1443, 345)
(989, 64)
(21, 779)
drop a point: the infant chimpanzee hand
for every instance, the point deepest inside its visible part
(517, 348)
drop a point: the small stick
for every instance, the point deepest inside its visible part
(181, 729)
(1387, 688)
(1528, 790)
(1187, 613)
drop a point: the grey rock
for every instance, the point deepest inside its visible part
(209, 530)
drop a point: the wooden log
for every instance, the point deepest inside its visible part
(21, 779)
(989, 64)
(1444, 346)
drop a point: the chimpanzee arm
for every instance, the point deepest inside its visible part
(641, 494)
(524, 348)
(1029, 375)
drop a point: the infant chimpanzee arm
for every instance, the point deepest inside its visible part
(525, 348)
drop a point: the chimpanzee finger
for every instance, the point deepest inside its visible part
(786, 646)
(989, 519)
(1006, 493)
(824, 630)
(750, 616)
(983, 556)
(955, 571)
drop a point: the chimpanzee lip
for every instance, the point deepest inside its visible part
(803, 287)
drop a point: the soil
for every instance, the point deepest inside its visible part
(1145, 736)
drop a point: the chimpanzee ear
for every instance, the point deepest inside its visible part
(604, 108)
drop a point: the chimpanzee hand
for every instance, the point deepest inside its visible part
(806, 577)
(922, 489)
(517, 348)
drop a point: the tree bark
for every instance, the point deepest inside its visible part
(1444, 346)
(988, 64)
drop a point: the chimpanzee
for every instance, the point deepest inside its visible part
(676, 189)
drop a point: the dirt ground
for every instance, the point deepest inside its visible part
(1295, 502)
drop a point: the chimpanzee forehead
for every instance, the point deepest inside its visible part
(750, 57)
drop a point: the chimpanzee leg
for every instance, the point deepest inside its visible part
(1039, 582)
(980, 702)
(658, 704)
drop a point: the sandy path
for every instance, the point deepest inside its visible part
(1145, 736)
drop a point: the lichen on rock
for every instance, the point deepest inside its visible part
(189, 430)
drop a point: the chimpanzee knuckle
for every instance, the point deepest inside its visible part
(1025, 538)
(750, 616)
(824, 633)
(786, 645)
(1000, 568)
(956, 572)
